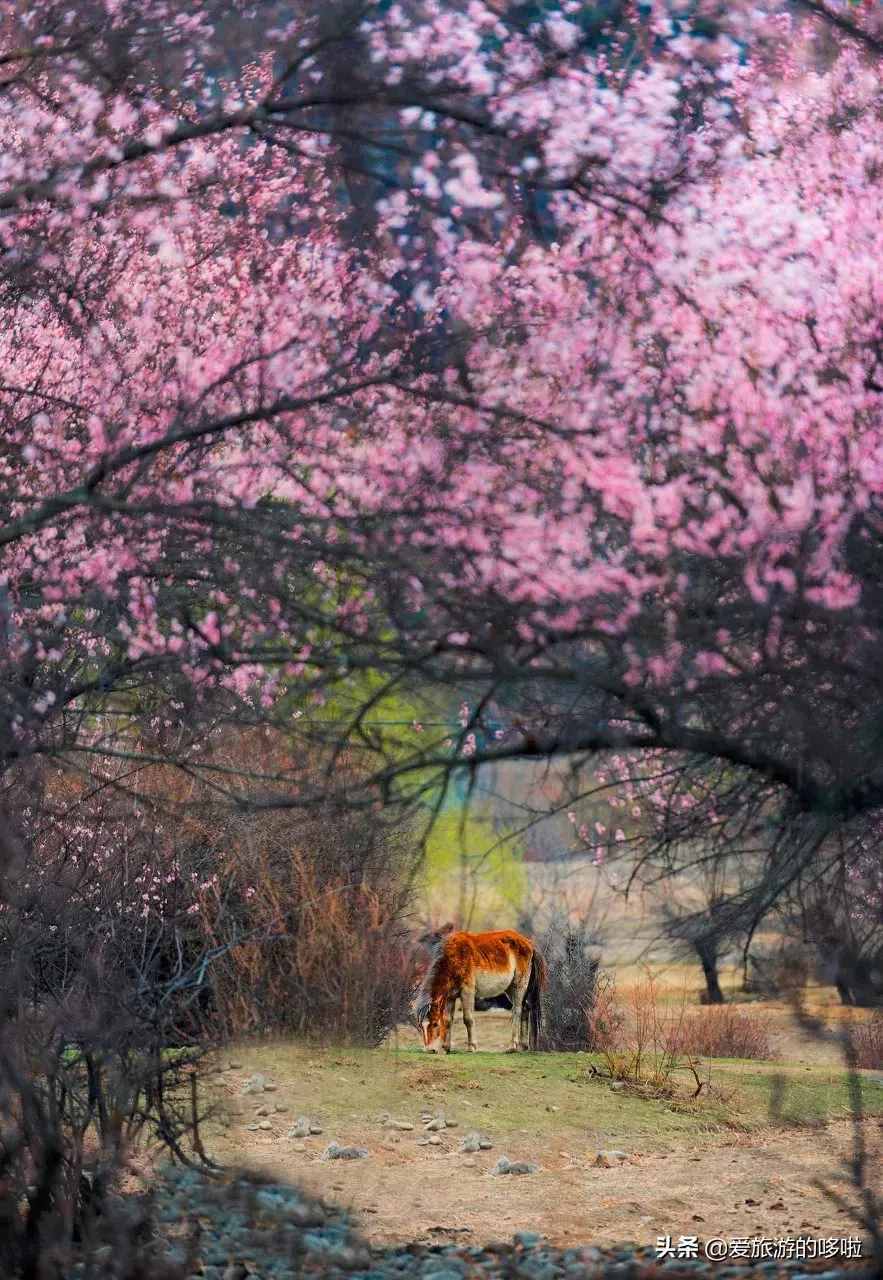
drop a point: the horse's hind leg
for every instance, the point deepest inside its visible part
(467, 1000)
(517, 993)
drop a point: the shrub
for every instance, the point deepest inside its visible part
(84, 1066)
(571, 992)
(720, 1031)
(636, 1038)
(867, 1042)
(309, 912)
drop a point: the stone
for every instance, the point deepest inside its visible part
(265, 1124)
(475, 1141)
(262, 1111)
(617, 1086)
(300, 1128)
(315, 1127)
(505, 1165)
(298, 1146)
(610, 1159)
(335, 1152)
(527, 1239)
(255, 1084)
(436, 1124)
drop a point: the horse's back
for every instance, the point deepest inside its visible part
(500, 950)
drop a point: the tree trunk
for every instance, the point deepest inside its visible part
(708, 959)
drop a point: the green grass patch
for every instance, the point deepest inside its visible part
(551, 1095)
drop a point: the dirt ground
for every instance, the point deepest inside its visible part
(762, 1185)
(704, 1180)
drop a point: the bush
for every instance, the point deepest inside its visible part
(134, 934)
(84, 1068)
(867, 1042)
(720, 1031)
(635, 1039)
(309, 913)
(571, 992)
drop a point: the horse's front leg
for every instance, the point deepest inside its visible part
(467, 999)
(452, 1004)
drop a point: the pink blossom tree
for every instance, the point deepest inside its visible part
(587, 431)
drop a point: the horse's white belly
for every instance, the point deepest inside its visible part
(493, 982)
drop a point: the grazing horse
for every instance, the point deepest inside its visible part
(482, 969)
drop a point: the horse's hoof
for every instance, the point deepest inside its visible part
(513, 1048)
(472, 1049)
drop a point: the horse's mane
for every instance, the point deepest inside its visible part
(434, 940)
(423, 998)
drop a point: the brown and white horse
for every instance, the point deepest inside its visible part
(481, 969)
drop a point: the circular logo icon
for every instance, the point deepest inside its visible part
(715, 1248)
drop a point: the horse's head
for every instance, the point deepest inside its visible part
(434, 1022)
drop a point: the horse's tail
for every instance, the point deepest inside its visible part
(534, 1000)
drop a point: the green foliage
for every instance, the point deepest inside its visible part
(473, 871)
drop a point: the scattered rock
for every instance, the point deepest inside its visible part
(527, 1239)
(252, 1127)
(262, 1111)
(298, 1146)
(335, 1152)
(505, 1165)
(265, 1124)
(280, 1106)
(475, 1141)
(436, 1124)
(255, 1084)
(234, 1066)
(610, 1159)
(303, 1127)
(617, 1086)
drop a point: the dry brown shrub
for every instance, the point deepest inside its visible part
(720, 1031)
(311, 908)
(867, 1042)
